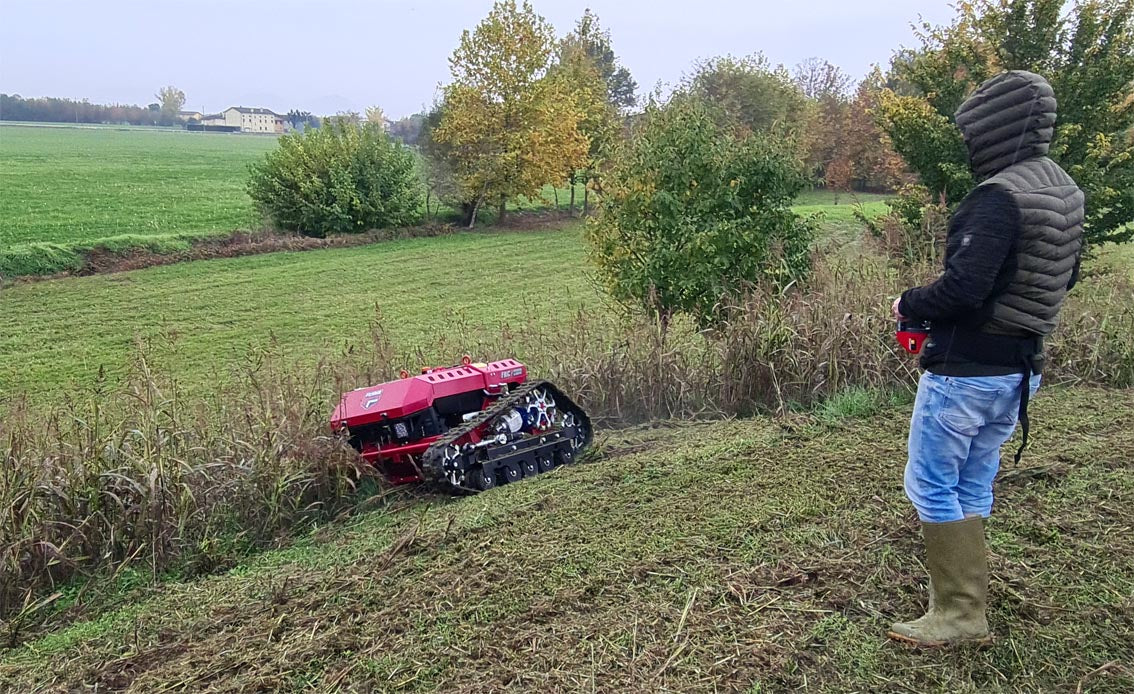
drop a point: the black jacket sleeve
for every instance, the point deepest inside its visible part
(984, 233)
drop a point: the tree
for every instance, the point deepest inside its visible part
(302, 119)
(827, 87)
(874, 163)
(14, 107)
(377, 116)
(436, 169)
(1087, 54)
(172, 100)
(339, 178)
(754, 95)
(589, 37)
(694, 211)
(849, 151)
(599, 122)
(839, 176)
(507, 126)
(347, 117)
(822, 81)
(408, 129)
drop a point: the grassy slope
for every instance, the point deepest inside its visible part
(740, 555)
(203, 315)
(68, 185)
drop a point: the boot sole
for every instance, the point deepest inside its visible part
(979, 641)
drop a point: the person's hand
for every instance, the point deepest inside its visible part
(897, 314)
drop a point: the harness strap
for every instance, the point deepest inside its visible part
(1025, 394)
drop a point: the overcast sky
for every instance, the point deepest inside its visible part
(347, 54)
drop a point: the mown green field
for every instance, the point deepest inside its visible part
(65, 185)
(77, 185)
(73, 186)
(744, 556)
(201, 316)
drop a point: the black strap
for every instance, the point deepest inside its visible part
(1025, 395)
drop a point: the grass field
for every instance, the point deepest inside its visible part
(749, 556)
(69, 185)
(65, 185)
(69, 188)
(202, 316)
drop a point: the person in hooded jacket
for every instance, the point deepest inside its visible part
(1011, 255)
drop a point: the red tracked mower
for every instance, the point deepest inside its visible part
(469, 427)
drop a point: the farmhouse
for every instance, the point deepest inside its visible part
(247, 120)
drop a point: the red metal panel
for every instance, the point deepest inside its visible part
(406, 396)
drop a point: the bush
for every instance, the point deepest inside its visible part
(914, 231)
(693, 212)
(340, 178)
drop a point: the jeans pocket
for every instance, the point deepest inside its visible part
(967, 404)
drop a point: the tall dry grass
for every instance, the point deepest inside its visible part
(153, 476)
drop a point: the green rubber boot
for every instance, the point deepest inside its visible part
(958, 585)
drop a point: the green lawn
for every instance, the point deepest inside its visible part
(203, 315)
(750, 556)
(840, 207)
(66, 185)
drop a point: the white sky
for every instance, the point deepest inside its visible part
(348, 54)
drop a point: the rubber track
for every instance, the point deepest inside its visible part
(432, 460)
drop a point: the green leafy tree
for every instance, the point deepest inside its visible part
(590, 38)
(694, 212)
(339, 178)
(756, 96)
(1087, 54)
(507, 126)
(599, 122)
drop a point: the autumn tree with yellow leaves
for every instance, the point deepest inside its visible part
(509, 125)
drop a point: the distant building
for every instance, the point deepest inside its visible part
(190, 115)
(247, 120)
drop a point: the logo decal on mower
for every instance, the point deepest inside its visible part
(370, 399)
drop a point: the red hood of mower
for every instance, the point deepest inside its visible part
(411, 394)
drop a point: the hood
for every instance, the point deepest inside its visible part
(1008, 119)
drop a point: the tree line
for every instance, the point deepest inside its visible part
(164, 111)
(696, 184)
(526, 109)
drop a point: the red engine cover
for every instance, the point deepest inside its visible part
(412, 394)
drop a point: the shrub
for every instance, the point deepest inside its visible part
(914, 230)
(340, 178)
(693, 212)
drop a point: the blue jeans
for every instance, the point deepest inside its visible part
(957, 429)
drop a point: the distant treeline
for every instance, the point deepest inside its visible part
(51, 109)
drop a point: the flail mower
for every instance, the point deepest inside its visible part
(469, 427)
